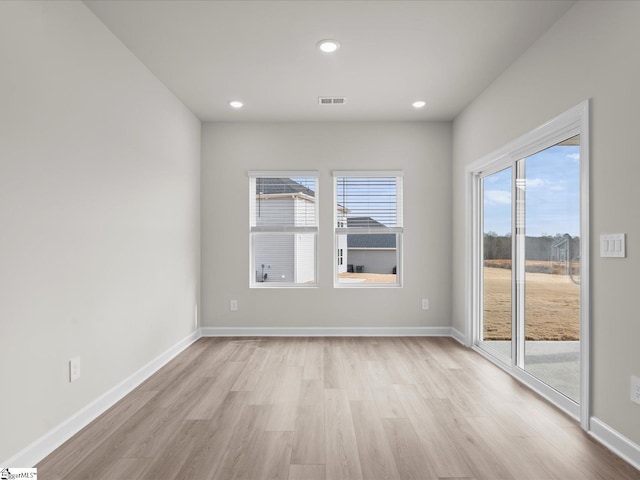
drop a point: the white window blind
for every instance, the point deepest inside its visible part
(283, 228)
(367, 203)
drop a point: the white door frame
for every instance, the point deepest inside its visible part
(572, 122)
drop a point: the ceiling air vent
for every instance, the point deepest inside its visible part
(331, 100)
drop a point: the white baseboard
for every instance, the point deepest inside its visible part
(326, 331)
(615, 441)
(31, 455)
(457, 335)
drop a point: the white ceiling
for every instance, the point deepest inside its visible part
(264, 53)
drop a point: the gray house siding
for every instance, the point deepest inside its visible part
(377, 253)
(274, 250)
(373, 260)
(287, 257)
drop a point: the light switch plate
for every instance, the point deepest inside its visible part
(613, 245)
(74, 369)
(635, 389)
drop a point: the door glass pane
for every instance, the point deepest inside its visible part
(496, 255)
(552, 267)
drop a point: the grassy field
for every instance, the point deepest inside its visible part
(552, 306)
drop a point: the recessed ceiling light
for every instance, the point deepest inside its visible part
(328, 46)
(419, 104)
(236, 104)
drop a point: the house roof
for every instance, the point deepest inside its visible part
(274, 186)
(563, 241)
(372, 240)
(363, 222)
(369, 240)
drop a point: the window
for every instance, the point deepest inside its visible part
(368, 229)
(283, 229)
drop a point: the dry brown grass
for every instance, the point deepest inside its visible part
(552, 303)
(537, 266)
(370, 277)
(552, 306)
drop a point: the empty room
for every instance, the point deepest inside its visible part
(306, 240)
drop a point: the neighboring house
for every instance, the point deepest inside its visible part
(566, 251)
(284, 257)
(560, 250)
(291, 258)
(376, 253)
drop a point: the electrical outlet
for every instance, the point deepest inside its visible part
(74, 369)
(635, 389)
(233, 305)
(425, 304)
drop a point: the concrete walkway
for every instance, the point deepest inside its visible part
(556, 363)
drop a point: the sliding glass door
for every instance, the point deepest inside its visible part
(497, 279)
(551, 253)
(528, 288)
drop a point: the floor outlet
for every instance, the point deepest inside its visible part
(74, 369)
(635, 389)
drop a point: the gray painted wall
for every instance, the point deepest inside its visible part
(422, 150)
(591, 52)
(99, 211)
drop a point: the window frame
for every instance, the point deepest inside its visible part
(255, 230)
(398, 230)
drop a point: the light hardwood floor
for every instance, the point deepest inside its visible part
(332, 408)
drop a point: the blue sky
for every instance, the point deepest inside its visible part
(552, 194)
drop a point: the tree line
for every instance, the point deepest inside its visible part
(544, 247)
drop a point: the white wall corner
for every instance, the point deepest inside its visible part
(459, 336)
(34, 453)
(615, 441)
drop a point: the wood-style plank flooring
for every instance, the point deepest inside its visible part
(332, 408)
